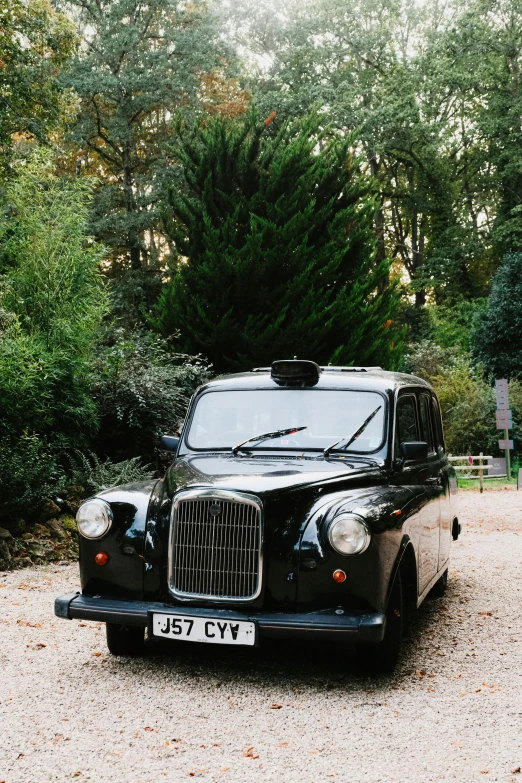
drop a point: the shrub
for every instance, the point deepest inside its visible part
(51, 303)
(467, 399)
(142, 390)
(29, 472)
(94, 475)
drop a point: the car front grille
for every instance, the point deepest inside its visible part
(215, 546)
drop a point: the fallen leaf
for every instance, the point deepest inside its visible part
(282, 744)
(276, 707)
(97, 654)
(516, 771)
(225, 769)
(249, 754)
(146, 728)
(484, 771)
(486, 614)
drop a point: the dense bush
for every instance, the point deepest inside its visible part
(51, 303)
(141, 389)
(93, 474)
(29, 472)
(467, 399)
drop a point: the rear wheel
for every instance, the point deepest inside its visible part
(382, 658)
(439, 588)
(125, 639)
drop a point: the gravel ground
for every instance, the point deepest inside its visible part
(452, 710)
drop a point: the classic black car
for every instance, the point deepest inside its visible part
(303, 502)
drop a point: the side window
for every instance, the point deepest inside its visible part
(438, 433)
(406, 421)
(426, 422)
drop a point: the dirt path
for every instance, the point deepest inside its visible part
(452, 711)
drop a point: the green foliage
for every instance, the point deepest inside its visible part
(35, 42)
(141, 391)
(96, 475)
(51, 302)
(280, 256)
(139, 65)
(496, 338)
(467, 399)
(29, 472)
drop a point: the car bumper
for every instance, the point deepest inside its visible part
(327, 625)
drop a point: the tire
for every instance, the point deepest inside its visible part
(382, 658)
(125, 639)
(439, 588)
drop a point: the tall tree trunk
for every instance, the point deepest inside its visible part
(417, 243)
(380, 254)
(130, 205)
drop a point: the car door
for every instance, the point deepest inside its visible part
(444, 473)
(430, 476)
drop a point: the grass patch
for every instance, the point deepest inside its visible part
(492, 483)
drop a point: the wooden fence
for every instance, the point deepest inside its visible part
(482, 463)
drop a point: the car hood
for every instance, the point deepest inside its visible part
(259, 474)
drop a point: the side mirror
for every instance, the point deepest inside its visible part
(169, 443)
(414, 450)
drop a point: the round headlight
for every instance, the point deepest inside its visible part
(94, 518)
(349, 535)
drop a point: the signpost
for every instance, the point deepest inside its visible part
(504, 419)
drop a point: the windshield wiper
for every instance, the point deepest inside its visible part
(355, 435)
(267, 436)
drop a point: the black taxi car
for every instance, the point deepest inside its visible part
(302, 502)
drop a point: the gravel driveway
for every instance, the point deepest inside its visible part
(452, 711)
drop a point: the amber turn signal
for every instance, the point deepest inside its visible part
(102, 558)
(339, 576)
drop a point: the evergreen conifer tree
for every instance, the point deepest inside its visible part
(495, 338)
(275, 250)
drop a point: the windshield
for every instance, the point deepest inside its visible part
(223, 419)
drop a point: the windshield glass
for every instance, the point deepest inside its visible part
(223, 419)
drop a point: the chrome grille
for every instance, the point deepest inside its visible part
(215, 546)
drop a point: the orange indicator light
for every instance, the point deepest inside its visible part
(396, 513)
(102, 558)
(339, 576)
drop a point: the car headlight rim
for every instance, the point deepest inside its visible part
(94, 519)
(349, 535)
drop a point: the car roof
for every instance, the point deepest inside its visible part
(357, 378)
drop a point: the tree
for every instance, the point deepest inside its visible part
(275, 249)
(391, 70)
(495, 340)
(138, 66)
(35, 43)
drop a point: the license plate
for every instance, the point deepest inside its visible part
(203, 629)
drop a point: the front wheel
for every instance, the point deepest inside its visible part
(382, 658)
(125, 639)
